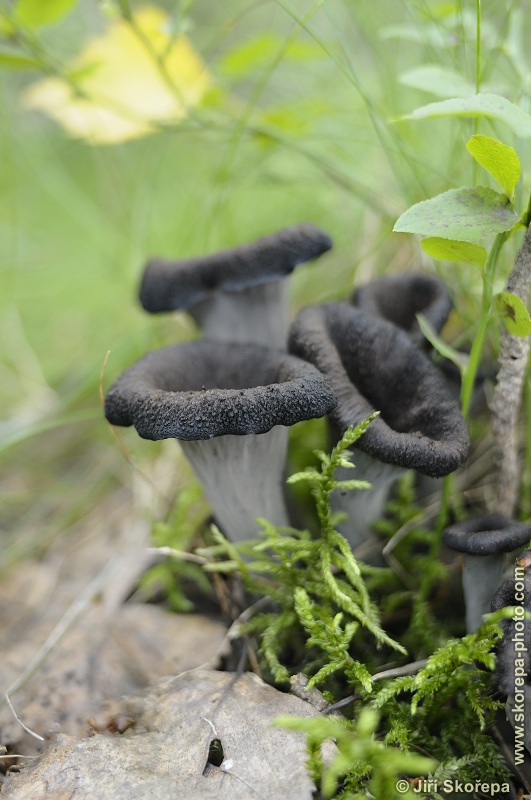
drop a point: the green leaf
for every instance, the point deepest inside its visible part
(450, 250)
(478, 105)
(468, 215)
(437, 80)
(260, 51)
(427, 35)
(253, 54)
(10, 59)
(514, 314)
(38, 13)
(286, 120)
(500, 160)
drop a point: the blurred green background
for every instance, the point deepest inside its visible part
(300, 124)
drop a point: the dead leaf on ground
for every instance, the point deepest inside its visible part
(200, 735)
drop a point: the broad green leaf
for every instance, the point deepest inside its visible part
(260, 51)
(437, 80)
(37, 13)
(432, 35)
(10, 59)
(468, 215)
(287, 120)
(514, 314)
(447, 34)
(442, 347)
(301, 51)
(449, 250)
(500, 160)
(252, 54)
(478, 105)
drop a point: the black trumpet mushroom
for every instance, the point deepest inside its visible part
(230, 406)
(484, 542)
(371, 365)
(399, 298)
(513, 660)
(240, 294)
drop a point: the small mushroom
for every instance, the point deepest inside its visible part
(239, 294)
(399, 298)
(230, 406)
(371, 365)
(484, 541)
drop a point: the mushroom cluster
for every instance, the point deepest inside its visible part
(371, 364)
(230, 396)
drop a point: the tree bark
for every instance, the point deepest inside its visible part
(506, 401)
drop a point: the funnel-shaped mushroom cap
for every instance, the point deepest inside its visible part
(371, 365)
(172, 285)
(203, 389)
(399, 298)
(505, 594)
(516, 642)
(483, 536)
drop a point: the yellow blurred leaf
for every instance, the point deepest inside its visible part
(124, 90)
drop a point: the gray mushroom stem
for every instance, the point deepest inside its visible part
(484, 542)
(241, 478)
(481, 577)
(363, 507)
(257, 315)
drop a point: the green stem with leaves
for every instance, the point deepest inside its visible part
(471, 369)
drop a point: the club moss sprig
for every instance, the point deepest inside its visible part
(446, 708)
(459, 668)
(360, 754)
(443, 710)
(316, 585)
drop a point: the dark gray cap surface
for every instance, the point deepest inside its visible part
(399, 298)
(373, 365)
(171, 285)
(507, 653)
(482, 536)
(202, 389)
